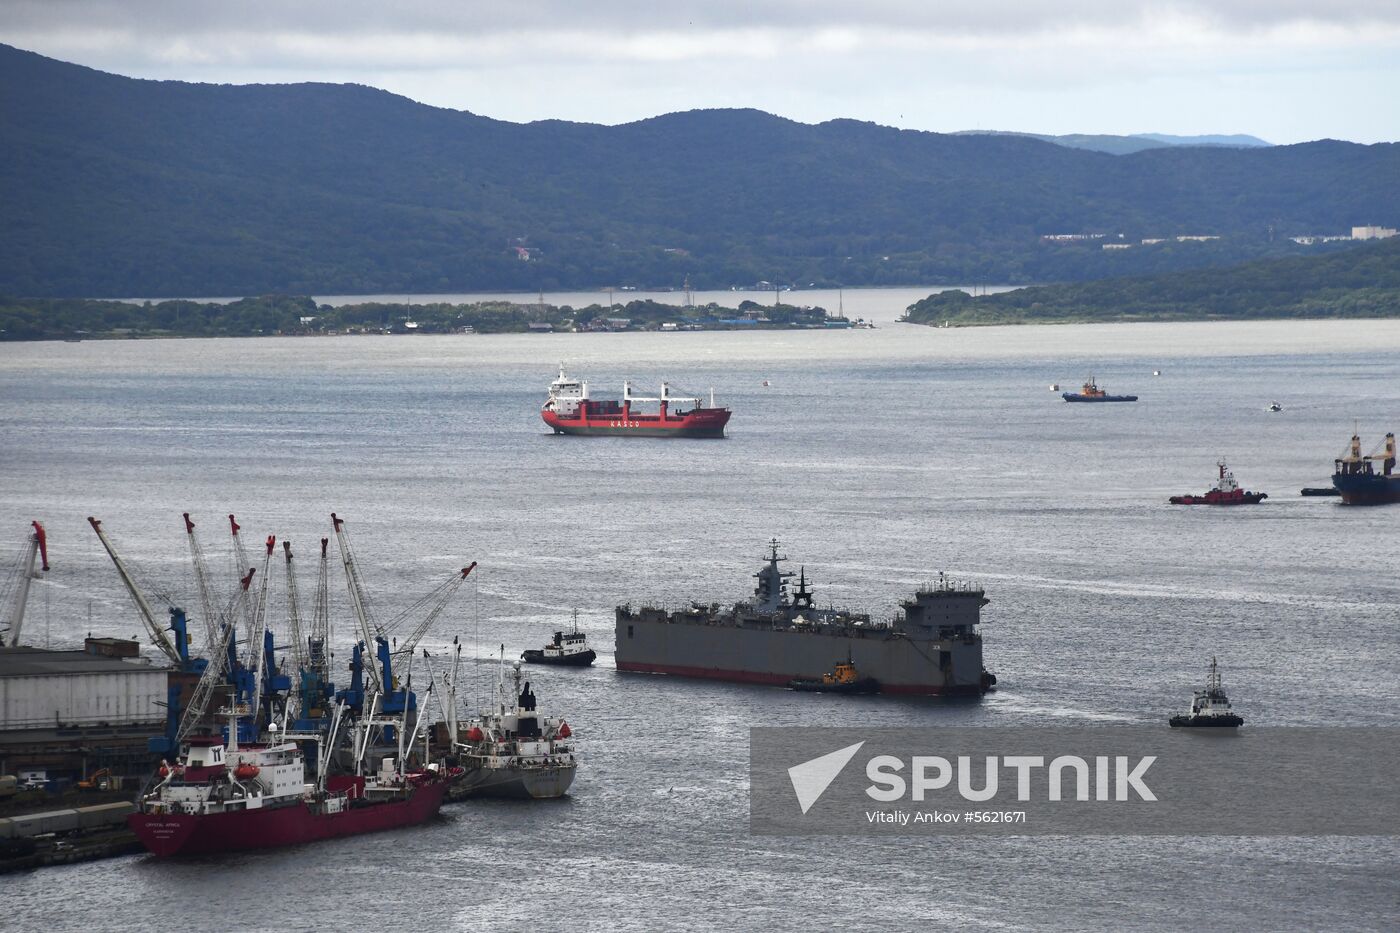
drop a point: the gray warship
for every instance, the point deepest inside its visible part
(930, 647)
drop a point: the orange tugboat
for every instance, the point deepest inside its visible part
(1092, 393)
(1226, 491)
(843, 679)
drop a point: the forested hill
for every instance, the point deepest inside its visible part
(121, 187)
(1359, 282)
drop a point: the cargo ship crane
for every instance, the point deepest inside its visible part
(306, 704)
(370, 632)
(319, 643)
(222, 667)
(201, 577)
(179, 656)
(240, 567)
(316, 687)
(267, 680)
(438, 599)
(294, 611)
(36, 549)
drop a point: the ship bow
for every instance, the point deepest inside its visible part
(165, 834)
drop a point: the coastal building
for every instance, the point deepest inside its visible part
(66, 714)
(1373, 233)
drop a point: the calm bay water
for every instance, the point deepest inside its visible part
(879, 458)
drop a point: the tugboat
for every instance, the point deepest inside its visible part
(569, 649)
(569, 410)
(1226, 491)
(843, 679)
(1209, 707)
(1356, 478)
(1092, 393)
(512, 750)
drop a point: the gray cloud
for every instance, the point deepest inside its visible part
(1062, 66)
(167, 19)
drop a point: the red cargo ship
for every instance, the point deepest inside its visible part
(569, 410)
(226, 800)
(1226, 491)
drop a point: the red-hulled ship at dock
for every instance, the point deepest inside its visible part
(569, 410)
(227, 799)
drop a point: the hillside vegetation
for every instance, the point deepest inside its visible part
(1359, 282)
(111, 186)
(268, 315)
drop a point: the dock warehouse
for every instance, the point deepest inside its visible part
(70, 712)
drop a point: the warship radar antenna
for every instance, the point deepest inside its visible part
(771, 592)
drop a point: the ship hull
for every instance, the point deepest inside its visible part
(901, 665)
(1076, 397)
(701, 423)
(1206, 722)
(182, 834)
(1367, 489)
(577, 659)
(515, 783)
(1248, 498)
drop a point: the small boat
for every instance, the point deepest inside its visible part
(843, 679)
(568, 648)
(1226, 491)
(1274, 406)
(1209, 707)
(1320, 491)
(1092, 393)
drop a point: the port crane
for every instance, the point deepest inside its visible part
(437, 600)
(223, 664)
(306, 705)
(15, 595)
(177, 651)
(370, 632)
(382, 694)
(201, 577)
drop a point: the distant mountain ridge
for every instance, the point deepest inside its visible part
(111, 186)
(1136, 142)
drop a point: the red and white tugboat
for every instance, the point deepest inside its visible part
(569, 410)
(220, 797)
(1226, 491)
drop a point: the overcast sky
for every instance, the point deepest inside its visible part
(1285, 70)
